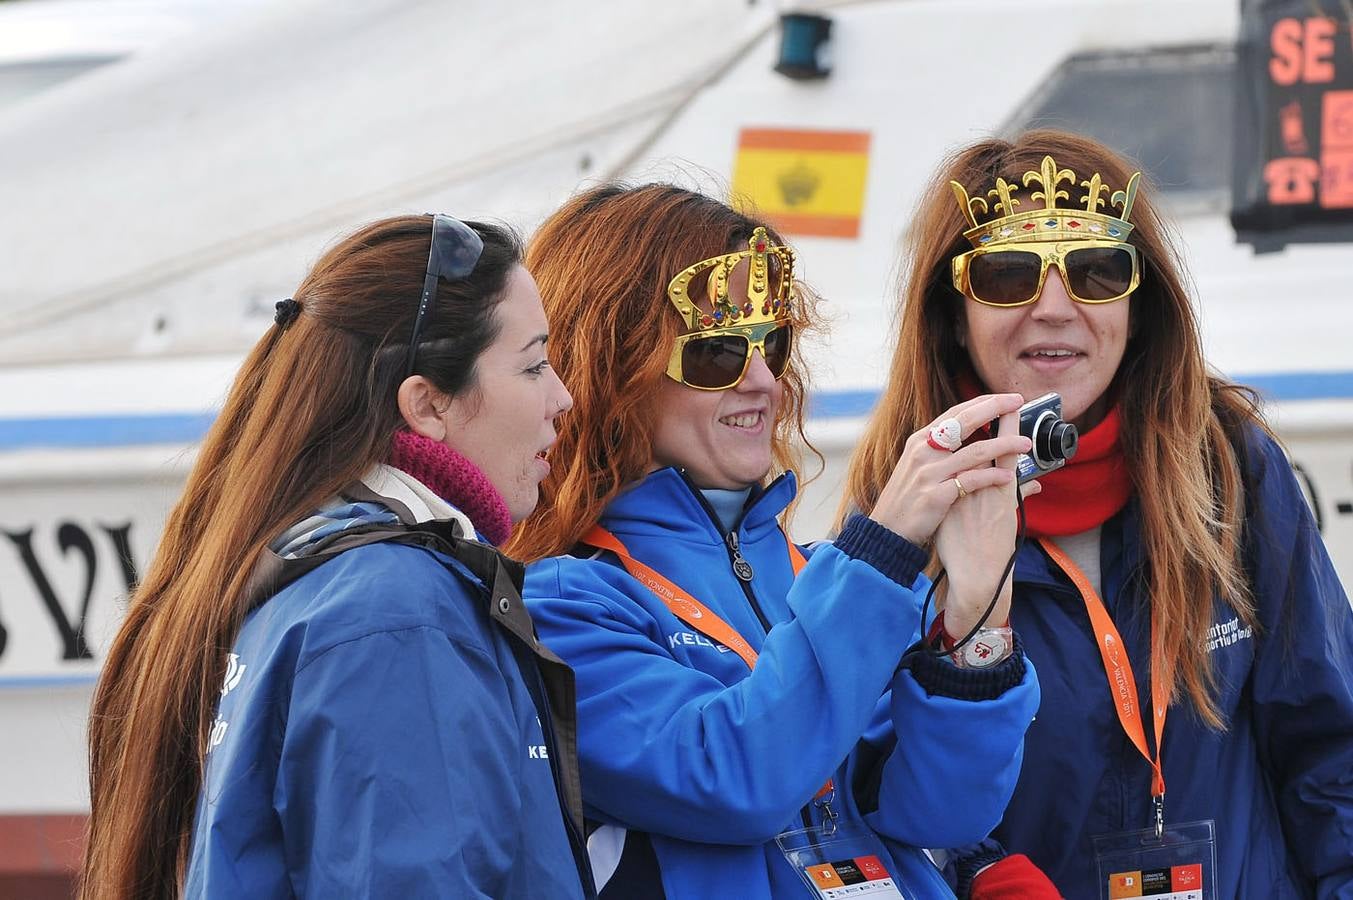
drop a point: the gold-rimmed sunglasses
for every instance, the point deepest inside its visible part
(718, 359)
(1093, 271)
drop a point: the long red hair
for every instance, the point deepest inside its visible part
(603, 262)
(1181, 423)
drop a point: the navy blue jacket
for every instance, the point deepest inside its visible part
(695, 763)
(1278, 782)
(377, 737)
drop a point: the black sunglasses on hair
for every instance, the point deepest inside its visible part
(454, 253)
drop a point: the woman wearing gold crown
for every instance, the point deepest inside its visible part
(745, 730)
(1195, 645)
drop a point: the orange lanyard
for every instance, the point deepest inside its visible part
(1122, 685)
(684, 606)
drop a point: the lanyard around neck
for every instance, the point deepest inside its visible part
(682, 605)
(1122, 684)
(690, 610)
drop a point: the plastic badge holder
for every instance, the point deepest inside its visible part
(846, 864)
(1181, 864)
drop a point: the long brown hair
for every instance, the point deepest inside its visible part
(1180, 422)
(312, 408)
(603, 262)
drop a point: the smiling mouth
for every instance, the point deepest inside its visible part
(1051, 354)
(742, 420)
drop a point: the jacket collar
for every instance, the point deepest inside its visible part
(666, 504)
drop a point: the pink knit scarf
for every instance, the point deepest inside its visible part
(455, 479)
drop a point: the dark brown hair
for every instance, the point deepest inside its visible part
(312, 408)
(1181, 423)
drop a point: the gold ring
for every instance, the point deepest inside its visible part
(958, 484)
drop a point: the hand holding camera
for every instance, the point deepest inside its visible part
(977, 537)
(975, 540)
(929, 478)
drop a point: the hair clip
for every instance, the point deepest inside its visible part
(287, 311)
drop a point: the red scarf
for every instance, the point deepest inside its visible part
(1092, 486)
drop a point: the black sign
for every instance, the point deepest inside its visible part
(1294, 123)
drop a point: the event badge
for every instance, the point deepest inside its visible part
(842, 862)
(1179, 864)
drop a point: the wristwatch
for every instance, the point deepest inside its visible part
(989, 647)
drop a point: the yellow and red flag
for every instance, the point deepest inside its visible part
(805, 182)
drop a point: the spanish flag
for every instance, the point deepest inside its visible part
(805, 182)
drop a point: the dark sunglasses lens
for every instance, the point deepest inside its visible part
(1004, 277)
(455, 248)
(1099, 273)
(714, 362)
(778, 345)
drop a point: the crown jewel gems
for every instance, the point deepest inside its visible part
(770, 285)
(1042, 190)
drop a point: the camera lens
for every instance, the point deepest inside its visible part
(1063, 440)
(1054, 440)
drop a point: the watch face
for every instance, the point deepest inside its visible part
(986, 649)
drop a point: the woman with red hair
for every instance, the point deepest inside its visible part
(744, 725)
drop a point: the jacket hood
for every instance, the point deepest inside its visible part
(399, 498)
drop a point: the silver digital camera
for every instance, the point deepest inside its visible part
(1054, 440)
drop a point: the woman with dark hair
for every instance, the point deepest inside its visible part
(326, 686)
(744, 727)
(1195, 643)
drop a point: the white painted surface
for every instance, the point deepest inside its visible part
(154, 212)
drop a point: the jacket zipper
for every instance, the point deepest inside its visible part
(744, 573)
(742, 569)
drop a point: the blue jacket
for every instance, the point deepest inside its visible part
(377, 737)
(703, 763)
(1278, 782)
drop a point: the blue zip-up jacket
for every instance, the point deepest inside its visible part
(376, 737)
(1278, 782)
(702, 763)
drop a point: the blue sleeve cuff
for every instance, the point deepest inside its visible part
(890, 553)
(970, 860)
(940, 676)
